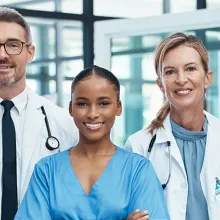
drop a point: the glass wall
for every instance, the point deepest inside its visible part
(182, 6)
(67, 6)
(128, 8)
(59, 53)
(133, 62)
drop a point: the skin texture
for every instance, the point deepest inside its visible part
(12, 79)
(182, 70)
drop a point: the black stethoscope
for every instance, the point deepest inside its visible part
(52, 143)
(149, 151)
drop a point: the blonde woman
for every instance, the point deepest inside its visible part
(183, 141)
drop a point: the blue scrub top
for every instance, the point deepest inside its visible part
(192, 148)
(128, 183)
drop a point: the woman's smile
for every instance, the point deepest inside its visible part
(93, 126)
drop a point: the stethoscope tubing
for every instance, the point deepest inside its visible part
(170, 164)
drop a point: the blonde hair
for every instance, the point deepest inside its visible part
(162, 49)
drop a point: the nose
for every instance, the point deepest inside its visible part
(3, 54)
(181, 78)
(93, 112)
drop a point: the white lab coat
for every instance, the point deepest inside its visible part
(177, 189)
(35, 134)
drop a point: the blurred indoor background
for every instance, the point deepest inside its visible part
(64, 35)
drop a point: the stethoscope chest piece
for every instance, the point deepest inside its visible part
(52, 143)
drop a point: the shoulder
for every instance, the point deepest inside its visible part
(55, 114)
(139, 141)
(140, 136)
(212, 120)
(55, 109)
(131, 158)
(46, 103)
(49, 162)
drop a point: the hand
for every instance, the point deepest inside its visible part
(138, 215)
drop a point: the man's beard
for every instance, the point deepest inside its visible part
(12, 80)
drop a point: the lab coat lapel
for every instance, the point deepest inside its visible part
(32, 127)
(211, 162)
(164, 135)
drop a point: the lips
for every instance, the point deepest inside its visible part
(94, 126)
(5, 66)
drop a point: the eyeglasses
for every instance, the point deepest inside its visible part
(13, 47)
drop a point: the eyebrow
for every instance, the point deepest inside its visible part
(190, 63)
(13, 39)
(83, 98)
(171, 67)
(168, 67)
(99, 99)
(103, 97)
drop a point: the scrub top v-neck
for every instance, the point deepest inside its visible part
(127, 183)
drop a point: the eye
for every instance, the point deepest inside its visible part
(104, 103)
(169, 72)
(191, 68)
(12, 44)
(82, 104)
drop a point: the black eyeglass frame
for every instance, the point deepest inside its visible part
(22, 45)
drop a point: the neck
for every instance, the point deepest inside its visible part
(191, 119)
(9, 92)
(91, 149)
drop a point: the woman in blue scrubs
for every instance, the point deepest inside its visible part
(95, 179)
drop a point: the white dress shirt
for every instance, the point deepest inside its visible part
(18, 116)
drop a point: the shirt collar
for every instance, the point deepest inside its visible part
(20, 101)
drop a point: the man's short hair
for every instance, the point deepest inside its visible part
(11, 15)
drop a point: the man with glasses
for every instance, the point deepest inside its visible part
(27, 134)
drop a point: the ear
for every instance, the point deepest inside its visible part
(119, 108)
(31, 51)
(160, 85)
(70, 108)
(208, 79)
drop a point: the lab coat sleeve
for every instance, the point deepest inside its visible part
(147, 193)
(35, 204)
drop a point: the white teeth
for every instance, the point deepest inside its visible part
(184, 92)
(93, 126)
(4, 67)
